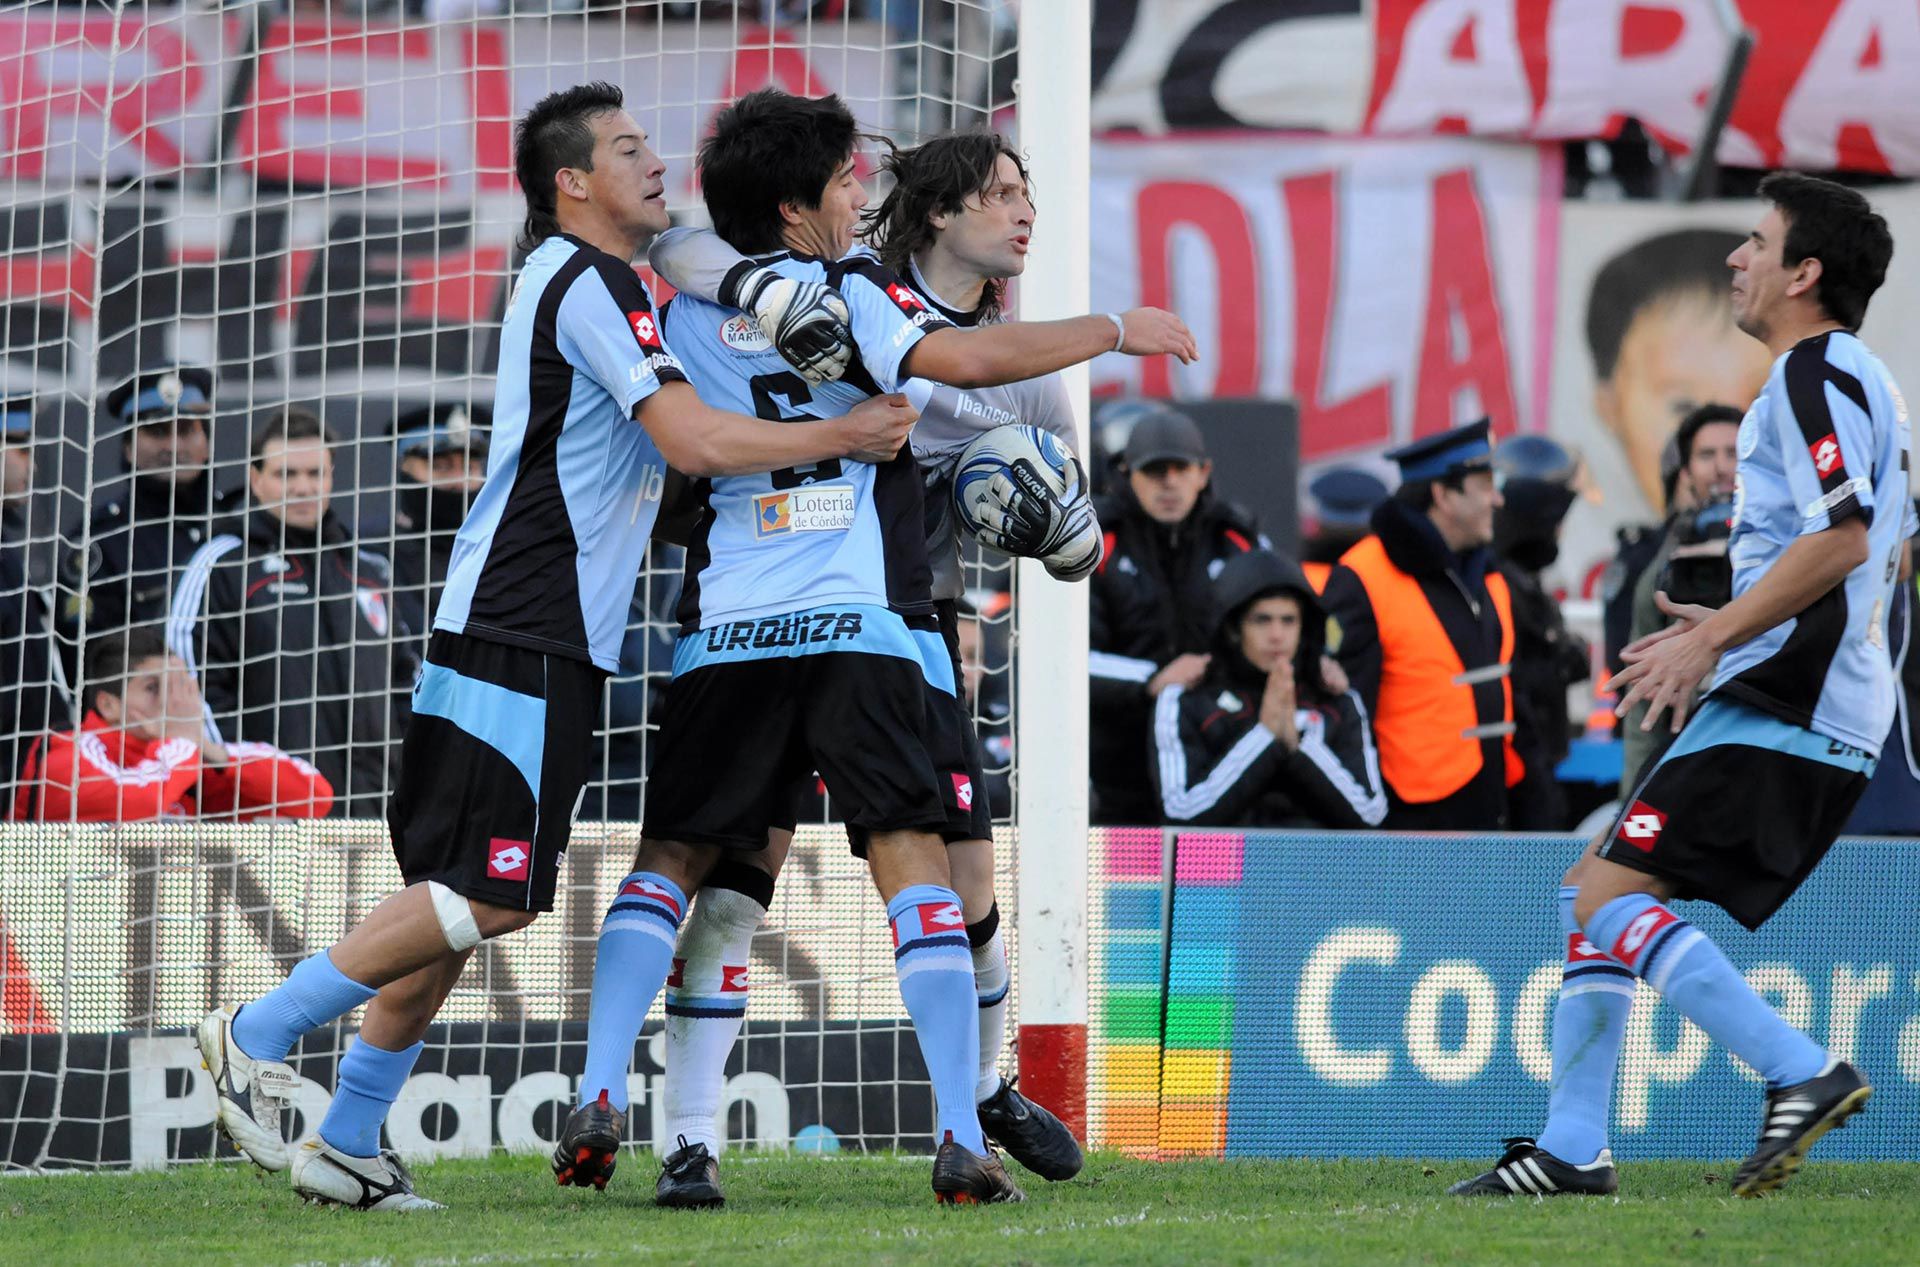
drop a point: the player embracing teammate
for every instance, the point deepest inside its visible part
(867, 697)
(589, 409)
(1752, 793)
(955, 226)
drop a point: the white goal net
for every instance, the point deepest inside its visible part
(260, 206)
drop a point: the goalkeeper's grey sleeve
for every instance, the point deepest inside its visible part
(1047, 407)
(697, 261)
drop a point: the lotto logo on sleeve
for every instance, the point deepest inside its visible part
(508, 859)
(1826, 454)
(1642, 826)
(644, 329)
(904, 299)
(963, 791)
(1641, 933)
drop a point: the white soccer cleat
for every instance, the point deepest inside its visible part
(249, 1094)
(323, 1173)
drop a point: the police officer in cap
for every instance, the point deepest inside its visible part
(1423, 624)
(140, 532)
(1343, 499)
(1150, 603)
(32, 692)
(442, 455)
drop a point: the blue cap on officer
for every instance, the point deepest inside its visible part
(162, 391)
(1435, 457)
(1344, 496)
(431, 429)
(16, 418)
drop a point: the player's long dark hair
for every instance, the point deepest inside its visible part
(937, 178)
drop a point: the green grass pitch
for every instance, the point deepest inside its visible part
(789, 1211)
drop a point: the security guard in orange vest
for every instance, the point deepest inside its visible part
(1423, 625)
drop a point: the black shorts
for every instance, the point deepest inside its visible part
(493, 769)
(738, 737)
(980, 806)
(1740, 809)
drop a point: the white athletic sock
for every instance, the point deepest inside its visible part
(990, 980)
(706, 1006)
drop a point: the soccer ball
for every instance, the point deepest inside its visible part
(1017, 490)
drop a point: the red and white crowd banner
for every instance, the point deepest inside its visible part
(1829, 85)
(337, 103)
(1391, 288)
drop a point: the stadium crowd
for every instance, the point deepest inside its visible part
(1411, 669)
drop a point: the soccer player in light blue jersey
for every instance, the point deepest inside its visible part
(589, 408)
(1753, 791)
(954, 228)
(808, 631)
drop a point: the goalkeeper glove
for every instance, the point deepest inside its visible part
(805, 321)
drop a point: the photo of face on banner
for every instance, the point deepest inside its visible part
(1659, 327)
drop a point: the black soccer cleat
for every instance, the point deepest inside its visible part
(689, 1179)
(589, 1145)
(962, 1177)
(1030, 1134)
(1527, 1170)
(1796, 1117)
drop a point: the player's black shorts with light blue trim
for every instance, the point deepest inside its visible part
(492, 769)
(756, 706)
(1740, 809)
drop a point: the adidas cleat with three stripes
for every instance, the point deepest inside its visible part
(1527, 1170)
(1795, 1119)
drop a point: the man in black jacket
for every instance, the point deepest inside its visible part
(290, 627)
(1262, 740)
(33, 699)
(1151, 620)
(442, 455)
(140, 532)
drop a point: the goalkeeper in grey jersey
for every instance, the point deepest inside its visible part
(955, 226)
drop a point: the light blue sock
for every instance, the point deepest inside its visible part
(934, 961)
(314, 993)
(369, 1082)
(1682, 963)
(1589, 1022)
(634, 957)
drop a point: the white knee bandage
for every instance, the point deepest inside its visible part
(455, 914)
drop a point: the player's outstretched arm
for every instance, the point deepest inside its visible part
(805, 321)
(700, 440)
(989, 356)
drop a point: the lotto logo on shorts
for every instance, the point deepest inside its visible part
(1642, 826)
(963, 791)
(1641, 933)
(1826, 454)
(508, 859)
(644, 329)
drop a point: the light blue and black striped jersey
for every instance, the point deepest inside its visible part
(549, 551)
(1826, 441)
(836, 533)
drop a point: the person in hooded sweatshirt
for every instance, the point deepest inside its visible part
(1261, 740)
(441, 456)
(1166, 535)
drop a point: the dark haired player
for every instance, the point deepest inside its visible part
(1747, 800)
(808, 607)
(527, 630)
(954, 227)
